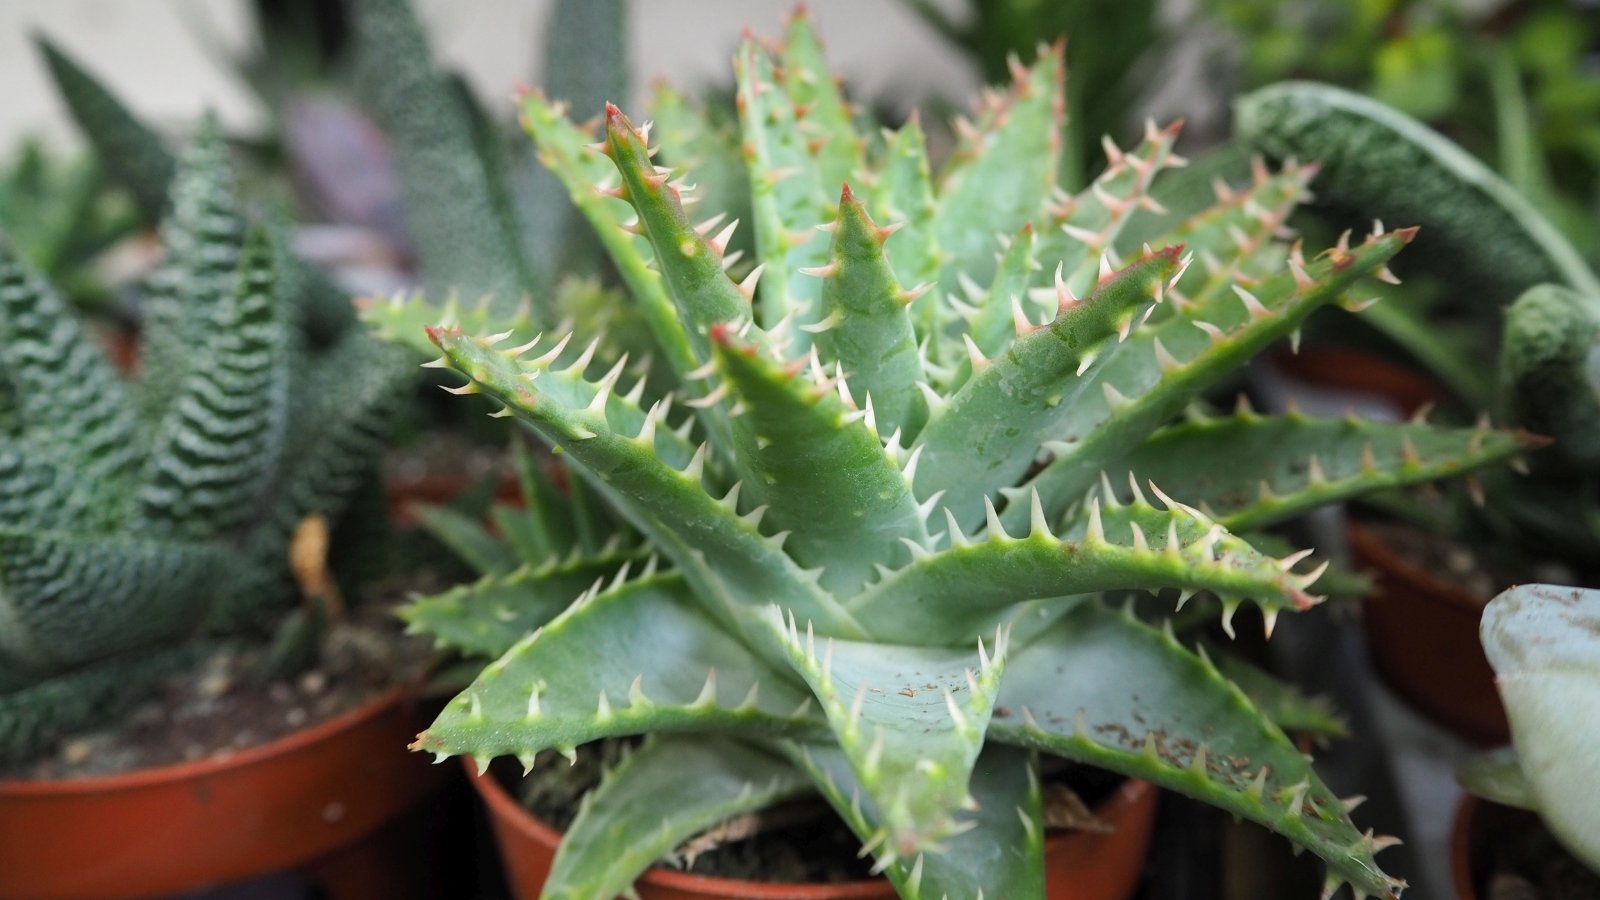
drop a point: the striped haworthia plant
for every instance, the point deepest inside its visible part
(140, 516)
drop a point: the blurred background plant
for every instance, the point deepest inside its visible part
(1537, 62)
(60, 213)
(1109, 68)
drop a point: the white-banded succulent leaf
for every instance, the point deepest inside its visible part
(139, 515)
(1544, 644)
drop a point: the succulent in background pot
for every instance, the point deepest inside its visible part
(1513, 286)
(312, 801)
(883, 528)
(149, 524)
(1446, 678)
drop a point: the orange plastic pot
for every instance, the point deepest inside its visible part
(1357, 371)
(1423, 635)
(1078, 865)
(305, 802)
(405, 495)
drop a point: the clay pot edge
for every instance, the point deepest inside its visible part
(1131, 792)
(283, 746)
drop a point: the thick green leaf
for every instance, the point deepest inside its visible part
(910, 719)
(215, 449)
(67, 599)
(734, 567)
(998, 850)
(132, 154)
(465, 238)
(1252, 471)
(788, 198)
(1480, 232)
(563, 149)
(60, 390)
(328, 455)
(959, 593)
(467, 537)
(202, 236)
(637, 657)
(987, 435)
(997, 319)
(827, 123)
(664, 793)
(1105, 689)
(1236, 238)
(1078, 229)
(1550, 382)
(867, 328)
(486, 617)
(701, 136)
(829, 483)
(1281, 701)
(1001, 170)
(903, 198)
(585, 63)
(405, 319)
(1147, 381)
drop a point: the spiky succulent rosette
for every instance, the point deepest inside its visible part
(903, 456)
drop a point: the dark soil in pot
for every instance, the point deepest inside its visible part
(224, 705)
(1421, 626)
(1509, 855)
(1475, 571)
(800, 843)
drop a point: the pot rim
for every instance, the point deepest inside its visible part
(1129, 793)
(1379, 554)
(173, 772)
(1460, 846)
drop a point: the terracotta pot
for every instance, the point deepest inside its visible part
(1466, 838)
(304, 801)
(1360, 372)
(1423, 635)
(1489, 839)
(1478, 826)
(406, 494)
(1078, 865)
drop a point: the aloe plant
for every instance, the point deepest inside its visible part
(144, 520)
(898, 463)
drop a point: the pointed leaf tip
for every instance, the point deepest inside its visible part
(436, 333)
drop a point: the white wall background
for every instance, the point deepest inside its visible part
(166, 57)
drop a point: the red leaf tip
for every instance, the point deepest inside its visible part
(435, 332)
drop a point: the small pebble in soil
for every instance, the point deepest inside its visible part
(213, 684)
(313, 683)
